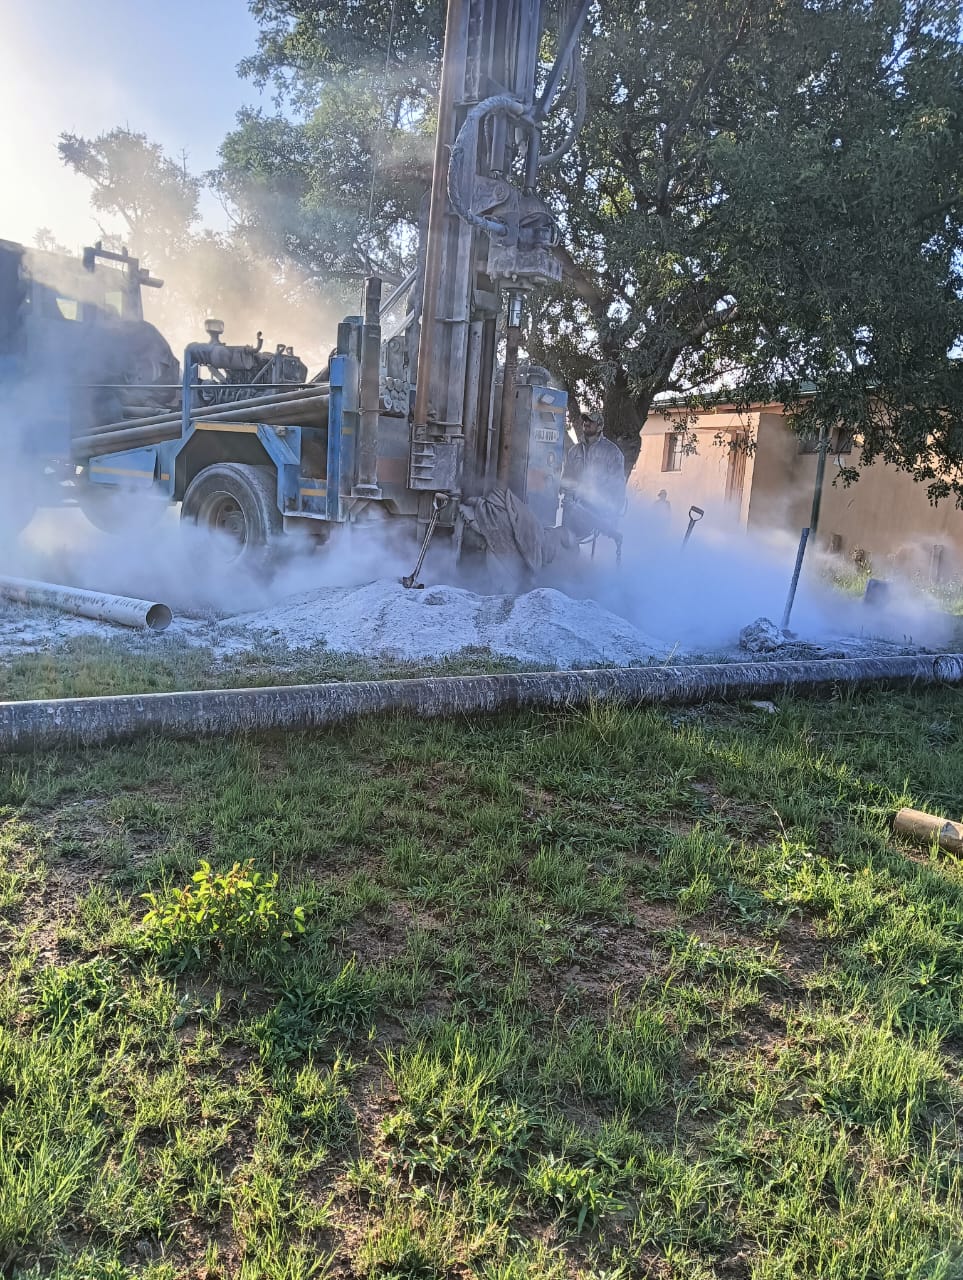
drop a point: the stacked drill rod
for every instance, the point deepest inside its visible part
(305, 406)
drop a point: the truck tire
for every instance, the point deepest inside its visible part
(239, 502)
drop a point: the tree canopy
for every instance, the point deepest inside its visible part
(768, 195)
(335, 177)
(133, 179)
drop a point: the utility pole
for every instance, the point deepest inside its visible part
(821, 450)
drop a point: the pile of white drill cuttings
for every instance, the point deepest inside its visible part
(382, 618)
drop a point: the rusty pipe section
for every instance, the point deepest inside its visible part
(924, 828)
(218, 712)
(143, 614)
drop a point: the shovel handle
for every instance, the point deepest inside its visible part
(695, 514)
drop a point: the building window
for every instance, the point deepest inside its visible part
(672, 451)
(840, 441)
(835, 544)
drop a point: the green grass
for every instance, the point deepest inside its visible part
(89, 667)
(579, 997)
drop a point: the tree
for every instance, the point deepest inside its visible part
(767, 194)
(155, 201)
(768, 197)
(304, 192)
(205, 272)
(155, 198)
(335, 184)
(45, 240)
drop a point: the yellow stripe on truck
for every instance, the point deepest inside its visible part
(314, 493)
(121, 471)
(239, 428)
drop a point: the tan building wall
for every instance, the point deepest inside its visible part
(886, 515)
(712, 476)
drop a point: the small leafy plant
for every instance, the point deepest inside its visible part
(581, 1194)
(231, 912)
(67, 995)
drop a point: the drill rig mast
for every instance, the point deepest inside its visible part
(490, 240)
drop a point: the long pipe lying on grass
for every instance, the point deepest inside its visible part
(93, 721)
(143, 614)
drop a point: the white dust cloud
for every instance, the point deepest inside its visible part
(663, 603)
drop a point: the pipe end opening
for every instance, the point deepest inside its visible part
(159, 617)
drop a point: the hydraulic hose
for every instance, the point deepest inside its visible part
(464, 146)
(548, 159)
(49, 723)
(569, 44)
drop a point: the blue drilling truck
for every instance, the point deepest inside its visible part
(405, 424)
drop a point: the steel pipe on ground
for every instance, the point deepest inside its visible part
(95, 721)
(122, 610)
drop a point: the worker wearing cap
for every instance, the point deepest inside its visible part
(593, 481)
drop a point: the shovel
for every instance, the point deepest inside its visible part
(410, 580)
(695, 515)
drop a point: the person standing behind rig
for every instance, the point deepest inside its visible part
(593, 481)
(662, 509)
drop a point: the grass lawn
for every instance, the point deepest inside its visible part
(89, 667)
(613, 994)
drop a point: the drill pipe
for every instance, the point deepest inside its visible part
(310, 411)
(94, 721)
(238, 406)
(366, 466)
(143, 614)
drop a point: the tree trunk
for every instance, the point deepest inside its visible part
(625, 416)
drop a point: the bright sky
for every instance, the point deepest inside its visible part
(166, 68)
